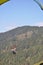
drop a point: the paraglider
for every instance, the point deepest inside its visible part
(3, 1)
(13, 49)
(41, 6)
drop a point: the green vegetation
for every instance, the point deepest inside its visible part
(29, 44)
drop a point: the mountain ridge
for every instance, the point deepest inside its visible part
(29, 44)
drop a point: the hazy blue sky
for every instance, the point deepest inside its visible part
(19, 13)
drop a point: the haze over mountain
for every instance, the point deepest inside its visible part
(29, 46)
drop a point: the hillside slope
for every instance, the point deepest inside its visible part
(29, 44)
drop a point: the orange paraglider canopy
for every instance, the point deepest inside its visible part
(14, 46)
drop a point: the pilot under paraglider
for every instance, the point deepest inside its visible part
(13, 49)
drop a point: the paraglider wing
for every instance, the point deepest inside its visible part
(3, 1)
(13, 49)
(39, 4)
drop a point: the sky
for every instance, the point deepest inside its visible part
(16, 13)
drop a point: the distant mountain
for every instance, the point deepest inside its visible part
(29, 46)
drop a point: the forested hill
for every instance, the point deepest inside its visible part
(29, 46)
